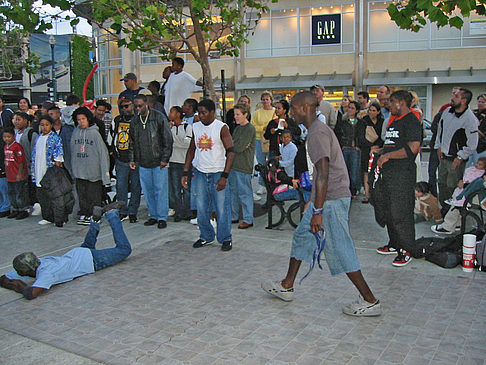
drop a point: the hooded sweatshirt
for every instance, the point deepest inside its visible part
(89, 155)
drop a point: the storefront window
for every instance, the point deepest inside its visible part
(287, 32)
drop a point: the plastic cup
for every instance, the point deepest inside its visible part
(468, 254)
(469, 240)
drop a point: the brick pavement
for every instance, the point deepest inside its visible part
(169, 303)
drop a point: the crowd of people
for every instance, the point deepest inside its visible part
(193, 166)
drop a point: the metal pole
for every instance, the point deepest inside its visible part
(53, 73)
(223, 95)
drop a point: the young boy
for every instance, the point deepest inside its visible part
(189, 108)
(17, 177)
(4, 201)
(288, 151)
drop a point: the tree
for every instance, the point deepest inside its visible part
(81, 65)
(200, 28)
(413, 14)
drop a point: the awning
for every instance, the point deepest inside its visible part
(296, 81)
(427, 77)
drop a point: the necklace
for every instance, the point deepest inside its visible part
(144, 122)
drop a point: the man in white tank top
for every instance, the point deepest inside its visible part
(211, 154)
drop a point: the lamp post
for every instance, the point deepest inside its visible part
(52, 42)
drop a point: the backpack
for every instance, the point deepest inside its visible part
(445, 252)
(481, 254)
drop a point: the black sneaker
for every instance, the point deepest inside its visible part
(4, 214)
(161, 224)
(22, 215)
(227, 246)
(13, 214)
(150, 222)
(201, 243)
(133, 218)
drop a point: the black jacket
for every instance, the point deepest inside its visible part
(151, 145)
(57, 185)
(347, 133)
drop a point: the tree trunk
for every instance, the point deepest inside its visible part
(203, 58)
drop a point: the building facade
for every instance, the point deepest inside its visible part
(344, 45)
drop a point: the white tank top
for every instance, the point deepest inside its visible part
(210, 154)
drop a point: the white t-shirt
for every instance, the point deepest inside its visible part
(179, 87)
(210, 156)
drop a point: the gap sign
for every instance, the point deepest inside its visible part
(326, 29)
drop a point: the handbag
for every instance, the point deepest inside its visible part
(265, 145)
(305, 181)
(370, 134)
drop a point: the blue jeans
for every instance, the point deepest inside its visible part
(207, 197)
(241, 193)
(181, 198)
(339, 247)
(292, 194)
(108, 256)
(352, 157)
(261, 158)
(4, 200)
(125, 176)
(155, 186)
(18, 194)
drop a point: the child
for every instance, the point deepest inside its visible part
(283, 187)
(17, 176)
(90, 163)
(4, 201)
(470, 174)
(189, 108)
(288, 151)
(426, 205)
(46, 153)
(453, 216)
(178, 196)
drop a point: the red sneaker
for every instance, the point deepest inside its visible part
(386, 250)
(402, 259)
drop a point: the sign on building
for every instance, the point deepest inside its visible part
(326, 29)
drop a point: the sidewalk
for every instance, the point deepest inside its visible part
(169, 303)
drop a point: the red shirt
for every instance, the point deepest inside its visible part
(14, 156)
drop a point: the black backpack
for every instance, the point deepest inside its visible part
(445, 252)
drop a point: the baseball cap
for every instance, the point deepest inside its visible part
(26, 261)
(129, 76)
(317, 86)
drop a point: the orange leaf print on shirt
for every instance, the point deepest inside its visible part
(205, 143)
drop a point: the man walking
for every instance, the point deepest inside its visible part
(211, 152)
(125, 176)
(398, 168)
(84, 260)
(327, 211)
(457, 139)
(150, 147)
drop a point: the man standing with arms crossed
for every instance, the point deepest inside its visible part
(211, 152)
(327, 211)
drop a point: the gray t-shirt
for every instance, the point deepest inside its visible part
(322, 142)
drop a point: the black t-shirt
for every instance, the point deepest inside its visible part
(400, 132)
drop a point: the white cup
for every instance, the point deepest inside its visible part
(469, 240)
(468, 254)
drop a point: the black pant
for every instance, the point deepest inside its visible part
(90, 194)
(18, 193)
(399, 180)
(433, 166)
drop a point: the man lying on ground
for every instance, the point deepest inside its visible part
(51, 270)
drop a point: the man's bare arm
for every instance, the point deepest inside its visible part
(399, 154)
(189, 157)
(32, 292)
(321, 180)
(230, 156)
(12, 284)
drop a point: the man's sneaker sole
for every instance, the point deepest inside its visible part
(402, 263)
(440, 230)
(275, 288)
(371, 310)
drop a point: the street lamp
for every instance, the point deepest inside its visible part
(52, 42)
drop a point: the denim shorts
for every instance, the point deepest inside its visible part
(339, 247)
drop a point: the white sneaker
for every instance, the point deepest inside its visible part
(362, 308)
(214, 223)
(43, 222)
(193, 221)
(256, 197)
(276, 289)
(36, 209)
(437, 228)
(171, 212)
(261, 190)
